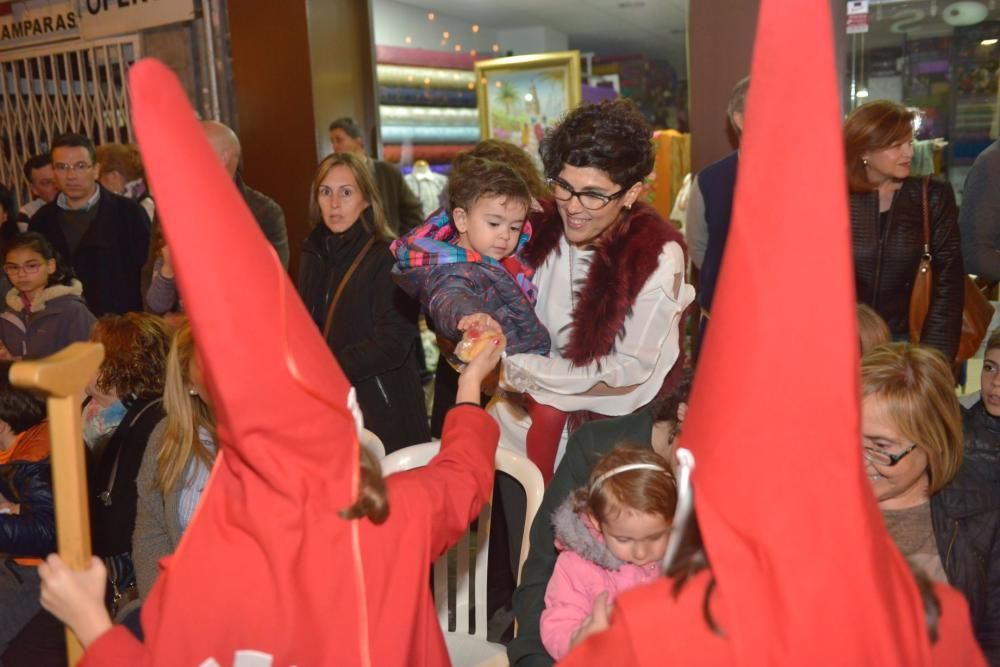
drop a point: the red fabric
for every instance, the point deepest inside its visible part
(544, 434)
(266, 564)
(651, 628)
(806, 572)
(429, 509)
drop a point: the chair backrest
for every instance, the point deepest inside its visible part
(373, 444)
(470, 582)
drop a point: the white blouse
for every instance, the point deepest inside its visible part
(632, 374)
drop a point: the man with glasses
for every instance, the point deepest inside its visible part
(103, 236)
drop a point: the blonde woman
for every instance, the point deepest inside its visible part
(938, 495)
(176, 464)
(345, 281)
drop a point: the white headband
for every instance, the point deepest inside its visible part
(624, 468)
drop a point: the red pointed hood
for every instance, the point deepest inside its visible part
(267, 562)
(803, 562)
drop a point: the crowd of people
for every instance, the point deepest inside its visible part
(582, 284)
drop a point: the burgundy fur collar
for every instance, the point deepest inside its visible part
(620, 266)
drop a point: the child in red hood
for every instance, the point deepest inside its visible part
(270, 565)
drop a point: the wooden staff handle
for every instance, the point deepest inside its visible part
(62, 377)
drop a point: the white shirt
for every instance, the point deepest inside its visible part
(632, 374)
(618, 383)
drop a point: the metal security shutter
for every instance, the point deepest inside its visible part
(71, 87)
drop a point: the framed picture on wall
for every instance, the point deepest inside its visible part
(520, 96)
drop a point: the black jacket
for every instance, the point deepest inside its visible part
(966, 518)
(886, 260)
(32, 532)
(110, 256)
(111, 524)
(374, 331)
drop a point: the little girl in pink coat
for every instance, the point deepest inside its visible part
(613, 536)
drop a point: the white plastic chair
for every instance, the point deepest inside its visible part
(468, 647)
(373, 444)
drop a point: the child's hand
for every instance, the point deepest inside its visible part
(598, 621)
(76, 597)
(471, 379)
(480, 321)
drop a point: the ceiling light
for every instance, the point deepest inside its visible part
(862, 93)
(472, 52)
(475, 27)
(430, 16)
(989, 42)
(528, 97)
(966, 12)
(458, 47)
(408, 39)
(446, 34)
(496, 48)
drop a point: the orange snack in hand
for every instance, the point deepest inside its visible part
(473, 342)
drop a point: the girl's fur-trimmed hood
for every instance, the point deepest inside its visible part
(14, 302)
(574, 532)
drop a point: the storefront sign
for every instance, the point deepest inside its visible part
(37, 22)
(857, 16)
(101, 18)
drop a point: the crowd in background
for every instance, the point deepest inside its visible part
(584, 285)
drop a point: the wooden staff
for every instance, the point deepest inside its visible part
(62, 377)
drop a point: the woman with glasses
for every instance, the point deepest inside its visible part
(940, 499)
(609, 272)
(44, 312)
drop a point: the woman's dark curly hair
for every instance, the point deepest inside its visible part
(135, 353)
(611, 136)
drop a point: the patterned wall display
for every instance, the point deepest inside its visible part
(72, 87)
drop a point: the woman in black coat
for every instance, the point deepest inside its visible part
(887, 227)
(346, 284)
(135, 354)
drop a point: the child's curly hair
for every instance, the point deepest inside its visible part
(135, 353)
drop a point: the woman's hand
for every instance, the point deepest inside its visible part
(471, 379)
(76, 597)
(598, 621)
(480, 321)
(5, 354)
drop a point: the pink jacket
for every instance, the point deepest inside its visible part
(585, 569)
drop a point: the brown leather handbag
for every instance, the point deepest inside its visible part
(977, 311)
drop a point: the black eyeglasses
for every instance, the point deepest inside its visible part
(885, 459)
(592, 201)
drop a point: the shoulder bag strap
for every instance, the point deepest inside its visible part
(927, 226)
(343, 283)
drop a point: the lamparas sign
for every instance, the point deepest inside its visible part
(28, 23)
